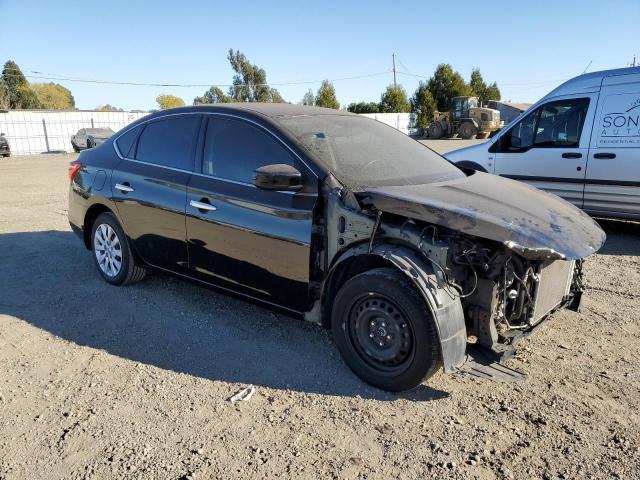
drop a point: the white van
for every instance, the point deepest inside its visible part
(581, 142)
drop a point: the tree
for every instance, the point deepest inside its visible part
(481, 90)
(446, 84)
(308, 99)
(394, 100)
(213, 95)
(250, 81)
(108, 108)
(54, 96)
(326, 96)
(423, 104)
(364, 107)
(492, 92)
(166, 101)
(19, 91)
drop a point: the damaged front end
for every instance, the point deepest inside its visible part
(489, 291)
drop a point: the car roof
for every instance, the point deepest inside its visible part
(271, 110)
(588, 82)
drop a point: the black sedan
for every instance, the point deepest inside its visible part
(336, 218)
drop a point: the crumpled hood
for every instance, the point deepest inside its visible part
(495, 208)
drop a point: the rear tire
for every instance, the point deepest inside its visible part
(384, 330)
(75, 147)
(111, 252)
(435, 130)
(468, 130)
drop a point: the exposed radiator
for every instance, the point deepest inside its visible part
(553, 287)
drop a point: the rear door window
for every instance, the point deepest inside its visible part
(169, 142)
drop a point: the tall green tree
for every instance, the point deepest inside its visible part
(54, 96)
(492, 92)
(446, 84)
(364, 107)
(424, 105)
(326, 96)
(18, 89)
(394, 100)
(250, 81)
(308, 99)
(481, 90)
(213, 95)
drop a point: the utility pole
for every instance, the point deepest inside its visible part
(393, 58)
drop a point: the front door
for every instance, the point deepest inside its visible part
(613, 173)
(252, 241)
(548, 147)
(149, 187)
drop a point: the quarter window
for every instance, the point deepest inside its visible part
(127, 141)
(234, 149)
(169, 142)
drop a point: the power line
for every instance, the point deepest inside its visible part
(53, 76)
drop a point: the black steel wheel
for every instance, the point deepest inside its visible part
(385, 331)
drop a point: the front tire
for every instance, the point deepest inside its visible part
(111, 252)
(468, 130)
(435, 131)
(384, 330)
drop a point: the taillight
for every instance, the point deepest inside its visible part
(74, 169)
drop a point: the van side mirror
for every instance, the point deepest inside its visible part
(278, 176)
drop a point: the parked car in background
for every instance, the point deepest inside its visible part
(90, 137)
(5, 150)
(581, 142)
(336, 218)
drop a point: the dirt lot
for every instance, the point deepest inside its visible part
(105, 382)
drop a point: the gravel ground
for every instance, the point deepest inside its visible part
(106, 382)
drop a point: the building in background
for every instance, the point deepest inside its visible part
(508, 110)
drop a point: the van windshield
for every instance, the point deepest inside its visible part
(361, 152)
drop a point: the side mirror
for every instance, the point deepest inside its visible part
(278, 176)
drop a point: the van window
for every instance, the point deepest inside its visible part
(554, 124)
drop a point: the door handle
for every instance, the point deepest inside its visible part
(206, 206)
(607, 156)
(571, 155)
(123, 187)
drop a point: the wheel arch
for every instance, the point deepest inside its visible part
(446, 308)
(92, 213)
(471, 165)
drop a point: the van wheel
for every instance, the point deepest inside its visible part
(112, 253)
(384, 330)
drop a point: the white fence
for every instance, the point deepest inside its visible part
(40, 131)
(405, 122)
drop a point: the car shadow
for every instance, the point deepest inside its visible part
(623, 237)
(49, 281)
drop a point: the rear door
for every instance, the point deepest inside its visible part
(548, 147)
(149, 187)
(613, 172)
(252, 241)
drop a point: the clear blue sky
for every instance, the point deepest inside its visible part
(527, 47)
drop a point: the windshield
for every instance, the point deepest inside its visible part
(361, 152)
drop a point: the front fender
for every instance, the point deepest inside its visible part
(446, 308)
